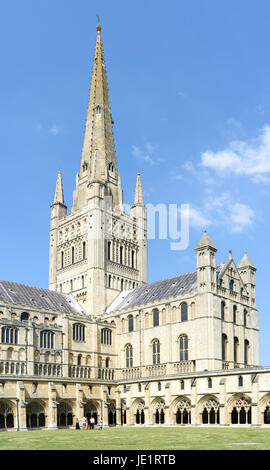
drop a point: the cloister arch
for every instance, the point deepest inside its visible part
(264, 407)
(239, 407)
(6, 414)
(208, 409)
(35, 414)
(181, 408)
(157, 410)
(92, 410)
(137, 410)
(65, 414)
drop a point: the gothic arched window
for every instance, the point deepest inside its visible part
(47, 339)
(129, 356)
(184, 312)
(130, 323)
(234, 313)
(235, 349)
(78, 332)
(183, 348)
(222, 310)
(245, 317)
(9, 335)
(224, 347)
(155, 317)
(246, 352)
(156, 351)
(106, 336)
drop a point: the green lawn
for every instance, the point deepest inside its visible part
(147, 438)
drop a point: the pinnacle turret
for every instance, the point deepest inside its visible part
(138, 198)
(59, 194)
(205, 241)
(246, 262)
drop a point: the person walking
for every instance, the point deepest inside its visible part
(86, 424)
(101, 424)
(77, 424)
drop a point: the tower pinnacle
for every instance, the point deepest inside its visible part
(138, 198)
(59, 194)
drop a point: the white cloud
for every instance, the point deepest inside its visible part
(246, 158)
(55, 130)
(241, 216)
(146, 155)
(221, 211)
(198, 219)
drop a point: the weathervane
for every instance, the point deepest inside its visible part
(98, 18)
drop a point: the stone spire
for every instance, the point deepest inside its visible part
(204, 242)
(98, 152)
(138, 198)
(246, 262)
(59, 194)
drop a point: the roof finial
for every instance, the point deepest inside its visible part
(98, 25)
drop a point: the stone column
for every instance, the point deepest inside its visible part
(21, 418)
(167, 411)
(104, 407)
(79, 403)
(147, 409)
(52, 406)
(222, 401)
(195, 420)
(118, 408)
(255, 412)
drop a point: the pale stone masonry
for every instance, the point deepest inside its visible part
(103, 342)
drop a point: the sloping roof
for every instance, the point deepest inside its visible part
(21, 294)
(182, 284)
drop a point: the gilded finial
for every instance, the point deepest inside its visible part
(98, 25)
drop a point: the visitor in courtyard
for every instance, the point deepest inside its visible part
(100, 424)
(92, 422)
(77, 424)
(84, 422)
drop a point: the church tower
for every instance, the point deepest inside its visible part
(97, 249)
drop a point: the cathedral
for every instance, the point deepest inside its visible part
(102, 342)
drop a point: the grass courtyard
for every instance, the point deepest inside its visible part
(157, 438)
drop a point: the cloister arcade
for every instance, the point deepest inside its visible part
(207, 411)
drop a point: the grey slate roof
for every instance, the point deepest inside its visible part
(182, 284)
(149, 293)
(21, 294)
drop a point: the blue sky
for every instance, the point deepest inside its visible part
(190, 97)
